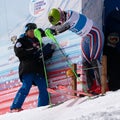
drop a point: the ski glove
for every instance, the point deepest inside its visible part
(48, 50)
(53, 31)
(42, 32)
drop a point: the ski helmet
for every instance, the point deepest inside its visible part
(30, 26)
(54, 16)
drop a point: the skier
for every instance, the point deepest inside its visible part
(31, 72)
(92, 38)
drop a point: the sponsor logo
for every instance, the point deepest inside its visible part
(37, 7)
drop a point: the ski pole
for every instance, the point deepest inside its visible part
(37, 34)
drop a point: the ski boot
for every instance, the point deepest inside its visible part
(97, 71)
(89, 75)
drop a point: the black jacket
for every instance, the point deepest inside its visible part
(26, 50)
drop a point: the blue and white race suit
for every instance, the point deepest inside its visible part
(93, 40)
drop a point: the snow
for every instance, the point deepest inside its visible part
(101, 108)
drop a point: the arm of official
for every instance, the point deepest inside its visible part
(22, 53)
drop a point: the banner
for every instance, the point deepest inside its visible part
(16, 14)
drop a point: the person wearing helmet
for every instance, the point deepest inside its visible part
(91, 44)
(31, 71)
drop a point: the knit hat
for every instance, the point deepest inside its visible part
(30, 26)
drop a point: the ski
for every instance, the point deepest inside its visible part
(63, 89)
(78, 101)
(74, 100)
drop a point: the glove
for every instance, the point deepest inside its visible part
(53, 46)
(42, 32)
(53, 31)
(48, 50)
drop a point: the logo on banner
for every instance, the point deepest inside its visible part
(113, 39)
(37, 7)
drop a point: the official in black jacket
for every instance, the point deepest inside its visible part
(27, 49)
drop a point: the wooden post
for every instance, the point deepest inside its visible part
(70, 73)
(104, 85)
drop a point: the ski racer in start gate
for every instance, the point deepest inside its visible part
(92, 39)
